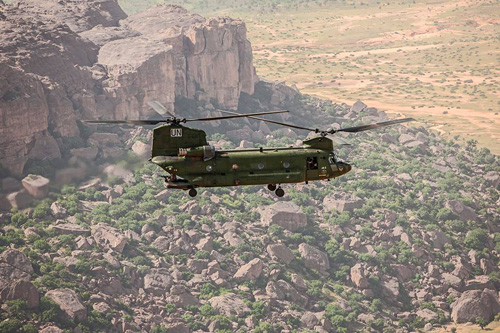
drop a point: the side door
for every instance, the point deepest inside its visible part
(312, 167)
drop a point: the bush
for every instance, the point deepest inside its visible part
(476, 239)
(10, 326)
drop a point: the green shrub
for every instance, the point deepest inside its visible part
(476, 239)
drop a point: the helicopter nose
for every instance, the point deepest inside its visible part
(344, 167)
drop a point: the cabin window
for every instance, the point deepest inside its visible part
(312, 163)
(286, 165)
(260, 166)
(208, 152)
(209, 168)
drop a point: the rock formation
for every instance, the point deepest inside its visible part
(70, 60)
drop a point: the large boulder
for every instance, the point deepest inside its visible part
(341, 202)
(14, 265)
(464, 212)
(109, 237)
(280, 251)
(158, 281)
(285, 214)
(314, 258)
(474, 304)
(249, 271)
(390, 288)
(69, 303)
(230, 304)
(70, 229)
(20, 199)
(37, 186)
(23, 290)
(358, 276)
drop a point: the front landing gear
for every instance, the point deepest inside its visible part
(271, 187)
(192, 192)
(279, 192)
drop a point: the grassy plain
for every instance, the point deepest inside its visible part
(494, 326)
(435, 60)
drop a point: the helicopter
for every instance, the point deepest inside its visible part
(191, 163)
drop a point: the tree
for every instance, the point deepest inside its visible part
(481, 322)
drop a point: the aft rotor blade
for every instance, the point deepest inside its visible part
(237, 115)
(275, 122)
(373, 126)
(160, 108)
(128, 122)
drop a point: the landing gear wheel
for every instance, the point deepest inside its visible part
(279, 192)
(192, 193)
(271, 187)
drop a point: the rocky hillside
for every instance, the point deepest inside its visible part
(409, 240)
(62, 61)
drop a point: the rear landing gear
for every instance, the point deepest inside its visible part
(271, 187)
(192, 193)
(279, 192)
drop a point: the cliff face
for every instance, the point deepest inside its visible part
(70, 60)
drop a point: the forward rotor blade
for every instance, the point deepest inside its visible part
(160, 108)
(128, 122)
(373, 126)
(237, 115)
(274, 122)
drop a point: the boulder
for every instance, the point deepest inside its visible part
(452, 281)
(427, 315)
(162, 243)
(358, 106)
(309, 320)
(438, 238)
(474, 304)
(20, 199)
(341, 203)
(58, 211)
(51, 329)
(285, 214)
(69, 303)
(23, 290)
(280, 251)
(233, 239)
(390, 288)
(358, 276)
(70, 229)
(230, 304)
(37, 186)
(14, 265)
(158, 281)
(464, 212)
(314, 258)
(249, 271)
(479, 283)
(141, 149)
(109, 237)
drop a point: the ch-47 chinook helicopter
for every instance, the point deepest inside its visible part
(190, 162)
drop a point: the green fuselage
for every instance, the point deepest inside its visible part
(251, 167)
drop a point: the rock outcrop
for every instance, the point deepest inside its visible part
(69, 60)
(285, 214)
(21, 290)
(475, 304)
(69, 303)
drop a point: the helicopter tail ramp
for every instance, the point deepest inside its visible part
(169, 139)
